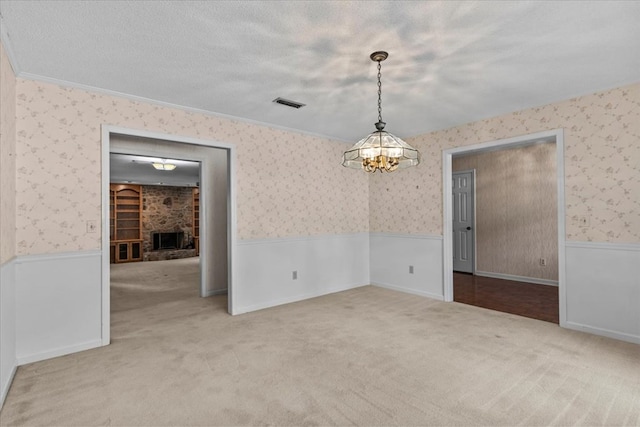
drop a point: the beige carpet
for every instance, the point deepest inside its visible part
(368, 356)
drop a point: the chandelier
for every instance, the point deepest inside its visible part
(380, 150)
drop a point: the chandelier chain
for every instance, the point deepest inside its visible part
(379, 92)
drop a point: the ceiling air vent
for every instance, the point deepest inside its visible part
(288, 103)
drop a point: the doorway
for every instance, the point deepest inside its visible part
(451, 244)
(217, 183)
(463, 221)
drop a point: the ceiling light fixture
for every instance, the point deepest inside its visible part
(380, 150)
(164, 166)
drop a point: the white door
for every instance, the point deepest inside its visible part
(463, 222)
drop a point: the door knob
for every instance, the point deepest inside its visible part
(468, 228)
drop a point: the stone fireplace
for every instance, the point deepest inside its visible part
(167, 217)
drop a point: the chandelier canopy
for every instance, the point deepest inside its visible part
(380, 150)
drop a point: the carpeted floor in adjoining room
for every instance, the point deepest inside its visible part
(368, 356)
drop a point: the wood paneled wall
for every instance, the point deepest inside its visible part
(516, 210)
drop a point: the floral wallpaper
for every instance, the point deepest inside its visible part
(602, 167)
(281, 192)
(288, 184)
(8, 158)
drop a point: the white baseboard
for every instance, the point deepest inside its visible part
(603, 332)
(214, 292)
(289, 300)
(515, 278)
(63, 351)
(409, 291)
(7, 385)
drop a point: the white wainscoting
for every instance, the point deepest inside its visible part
(603, 289)
(58, 304)
(324, 264)
(392, 254)
(8, 362)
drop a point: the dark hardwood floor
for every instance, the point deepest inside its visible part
(524, 299)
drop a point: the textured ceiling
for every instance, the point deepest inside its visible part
(449, 62)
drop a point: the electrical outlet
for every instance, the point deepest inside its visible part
(92, 226)
(543, 262)
(294, 275)
(411, 269)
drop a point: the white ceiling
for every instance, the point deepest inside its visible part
(449, 62)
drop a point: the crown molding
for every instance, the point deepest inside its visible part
(136, 98)
(8, 48)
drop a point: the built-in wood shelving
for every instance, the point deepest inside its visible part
(196, 219)
(125, 220)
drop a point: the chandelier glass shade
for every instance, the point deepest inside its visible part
(380, 150)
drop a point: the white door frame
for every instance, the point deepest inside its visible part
(107, 130)
(556, 135)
